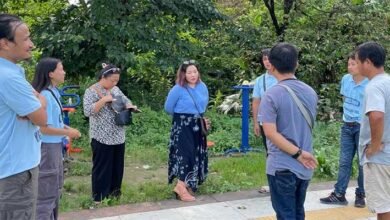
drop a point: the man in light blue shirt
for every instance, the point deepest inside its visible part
(352, 90)
(262, 83)
(374, 141)
(22, 110)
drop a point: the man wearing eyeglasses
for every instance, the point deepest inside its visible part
(22, 110)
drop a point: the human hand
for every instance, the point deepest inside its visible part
(73, 133)
(108, 98)
(308, 160)
(371, 149)
(256, 129)
(133, 108)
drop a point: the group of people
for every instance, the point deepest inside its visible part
(284, 111)
(32, 130)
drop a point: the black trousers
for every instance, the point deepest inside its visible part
(107, 169)
(264, 138)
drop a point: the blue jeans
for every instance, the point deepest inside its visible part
(349, 144)
(288, 194)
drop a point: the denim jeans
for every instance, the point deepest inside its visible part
(288, 194)
(349, 144)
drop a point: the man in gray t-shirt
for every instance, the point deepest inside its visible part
(290, 161)
(374, 140)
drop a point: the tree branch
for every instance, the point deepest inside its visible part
(270, 4)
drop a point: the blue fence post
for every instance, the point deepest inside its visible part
(245, 117)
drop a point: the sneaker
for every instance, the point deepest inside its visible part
(335, 199)
(360, 201)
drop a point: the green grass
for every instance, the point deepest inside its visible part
(225, 174)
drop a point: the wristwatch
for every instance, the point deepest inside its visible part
(296, 155)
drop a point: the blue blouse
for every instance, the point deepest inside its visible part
(180, 101)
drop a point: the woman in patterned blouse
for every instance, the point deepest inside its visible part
(107, 138)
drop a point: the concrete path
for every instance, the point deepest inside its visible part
(229, 206)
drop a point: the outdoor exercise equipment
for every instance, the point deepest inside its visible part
(244, 148)
(69, 107)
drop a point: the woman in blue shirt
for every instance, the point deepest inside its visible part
(187, 102)
(49, 74)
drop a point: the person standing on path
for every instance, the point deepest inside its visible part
(22, 110)
(374, 140)
(290, 160)
(188, 160)
(352, 90)
(262, 83)
(49, 74)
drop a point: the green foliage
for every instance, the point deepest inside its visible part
(149, 39)
(326, 149)
(329, 103)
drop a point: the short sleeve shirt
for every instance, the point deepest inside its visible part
(54, 114)
(277, 107)
(20, 140)
(376, 98)
(260, 86)
(353, 98)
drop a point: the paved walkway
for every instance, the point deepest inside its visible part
(228, 206)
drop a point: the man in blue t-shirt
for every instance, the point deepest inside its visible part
(352, 90)
(290, 160)
(22, 110)
(262, 83)
(374, 139)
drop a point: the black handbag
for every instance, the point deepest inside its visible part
(123, 117)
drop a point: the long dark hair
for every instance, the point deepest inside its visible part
(42, 79)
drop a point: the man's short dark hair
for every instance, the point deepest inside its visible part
(284, 57)
(7, 26)
(373, 52)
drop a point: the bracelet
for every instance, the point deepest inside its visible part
(296, 155)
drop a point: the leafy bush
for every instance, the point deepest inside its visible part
(326, 149)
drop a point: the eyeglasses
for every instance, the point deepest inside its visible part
(114, 69)
(188, 62)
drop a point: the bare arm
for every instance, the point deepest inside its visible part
(66, 131)
(255, 110)
(306, 158)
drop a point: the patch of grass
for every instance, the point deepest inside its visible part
(225, 174)
(235, 173)
(80, 168)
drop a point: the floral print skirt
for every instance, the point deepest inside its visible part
(188, 159)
